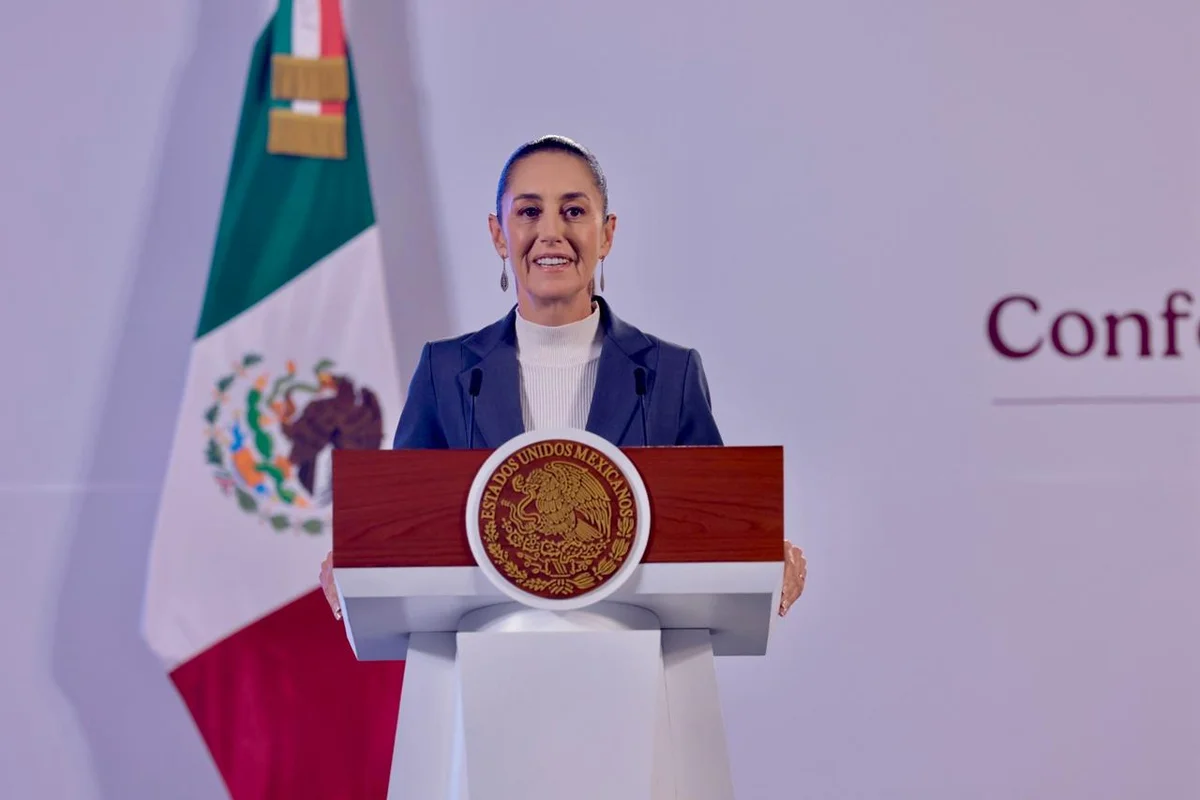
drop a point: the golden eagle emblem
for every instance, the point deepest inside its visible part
(568, 502)
(557, 521)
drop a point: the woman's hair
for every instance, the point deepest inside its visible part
(559, 144)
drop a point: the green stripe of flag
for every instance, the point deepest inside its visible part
(282, 214)
(281, 40)
(283, 28)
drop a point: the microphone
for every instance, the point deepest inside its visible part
(473, 390)
(639, 386)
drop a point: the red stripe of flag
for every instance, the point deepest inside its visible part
(333, 43)
(288, 712)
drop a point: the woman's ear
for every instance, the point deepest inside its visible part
(607, 232)
(497, 236)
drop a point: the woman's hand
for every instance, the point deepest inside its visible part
(795, 572)
(331, 593)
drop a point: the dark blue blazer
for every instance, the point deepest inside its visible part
(438, 407)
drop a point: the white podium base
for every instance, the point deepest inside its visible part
(592, 704)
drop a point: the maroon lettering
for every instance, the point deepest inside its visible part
(1170, 316)
(1114, 335)
(1089, 334)
(1075, 333)
(998, 343)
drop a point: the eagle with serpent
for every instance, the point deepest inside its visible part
(557, 526)
(270, 438)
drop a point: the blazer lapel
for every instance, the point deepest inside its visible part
(498, 406)
(615, 399)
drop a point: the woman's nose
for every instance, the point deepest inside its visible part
(549, 229)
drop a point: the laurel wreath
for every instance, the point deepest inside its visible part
(214, 456)
(602, 569)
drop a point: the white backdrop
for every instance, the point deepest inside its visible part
(826, 201)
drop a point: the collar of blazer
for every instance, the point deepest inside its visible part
(498, 407)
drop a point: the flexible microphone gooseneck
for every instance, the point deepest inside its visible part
(639, 386)
(473, 390)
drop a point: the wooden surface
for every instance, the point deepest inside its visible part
(406, 508)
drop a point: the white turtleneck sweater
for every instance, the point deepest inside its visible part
(558, 371)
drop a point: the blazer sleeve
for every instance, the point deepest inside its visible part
(697, 427)
(419, 427)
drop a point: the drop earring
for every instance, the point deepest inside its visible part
(602, 274)
(504, 274)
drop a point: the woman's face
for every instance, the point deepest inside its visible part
(553, 229)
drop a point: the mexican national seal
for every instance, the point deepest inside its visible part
(558, 519)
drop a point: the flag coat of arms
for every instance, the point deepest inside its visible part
(293, 359)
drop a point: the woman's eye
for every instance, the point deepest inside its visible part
(529, 211)
(575, 211)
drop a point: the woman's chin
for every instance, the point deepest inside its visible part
(556, 289)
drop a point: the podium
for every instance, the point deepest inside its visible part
(529, 675)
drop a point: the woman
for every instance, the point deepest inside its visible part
(560, 358)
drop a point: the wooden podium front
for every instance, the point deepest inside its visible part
(616, 699)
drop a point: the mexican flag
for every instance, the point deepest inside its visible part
(293, 358)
